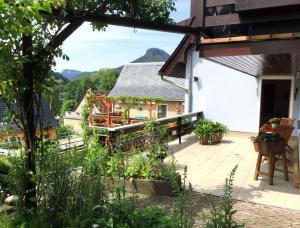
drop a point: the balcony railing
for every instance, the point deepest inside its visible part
(176, 127)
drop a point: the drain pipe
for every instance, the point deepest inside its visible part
(189, 77)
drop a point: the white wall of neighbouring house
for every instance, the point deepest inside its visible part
(224, 95)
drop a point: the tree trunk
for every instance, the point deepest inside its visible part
(30, 128)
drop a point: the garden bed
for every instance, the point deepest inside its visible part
(147, 186)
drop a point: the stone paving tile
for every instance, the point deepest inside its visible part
(208, 166)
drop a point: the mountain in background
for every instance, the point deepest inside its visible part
(74, 74)
(151, 55)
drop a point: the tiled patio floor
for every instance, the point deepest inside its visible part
(208, 166)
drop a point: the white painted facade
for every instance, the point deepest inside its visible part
(230, 96)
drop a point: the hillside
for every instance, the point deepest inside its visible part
(74, 74)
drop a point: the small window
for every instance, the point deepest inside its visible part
(162, 111)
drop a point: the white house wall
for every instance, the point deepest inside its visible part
(225, 95)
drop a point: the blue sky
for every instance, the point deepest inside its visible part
(91, 51)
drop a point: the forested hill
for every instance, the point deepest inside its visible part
(65, 96)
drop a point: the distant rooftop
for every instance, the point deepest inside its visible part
(142, 79)
(47, 115)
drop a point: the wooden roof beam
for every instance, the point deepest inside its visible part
(251, 38)
(250, 48)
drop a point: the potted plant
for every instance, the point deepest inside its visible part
(274, 122)
(219, 130)
(204, 130)
(256, 142)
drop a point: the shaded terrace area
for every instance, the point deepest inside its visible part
(209, 165)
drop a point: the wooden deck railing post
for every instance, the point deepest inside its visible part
(179, 122)
(199, 115)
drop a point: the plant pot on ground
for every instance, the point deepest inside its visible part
(204, 131)
(219, 130)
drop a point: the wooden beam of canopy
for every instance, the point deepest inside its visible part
(251, 48)
(131, 22)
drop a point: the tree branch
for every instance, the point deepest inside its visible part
(64, 34)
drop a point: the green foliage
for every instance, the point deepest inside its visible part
(71, 191)
(270, 137)
(64, 131)
(221, 215)
(206, 128)
(103, 80)
(68, 105)
(5, 166)
(219, 128)
(140, 166)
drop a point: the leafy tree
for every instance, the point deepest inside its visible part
(32, 33)
(108, 79)
(68, 105)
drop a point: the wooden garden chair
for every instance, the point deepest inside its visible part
(287, 122)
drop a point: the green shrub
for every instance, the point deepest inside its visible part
(5, 165)
(71, 190)
(64, 131)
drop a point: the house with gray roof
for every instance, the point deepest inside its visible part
(11, 130)
(143, 79)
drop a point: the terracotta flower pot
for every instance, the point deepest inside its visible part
(256, 146)
(217, 138)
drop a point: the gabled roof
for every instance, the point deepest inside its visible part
(47, 115)
(175, 66)
(143, 79)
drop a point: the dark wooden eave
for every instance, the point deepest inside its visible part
(176, 64)
(256, 65)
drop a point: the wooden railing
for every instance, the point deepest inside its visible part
(176, 127)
